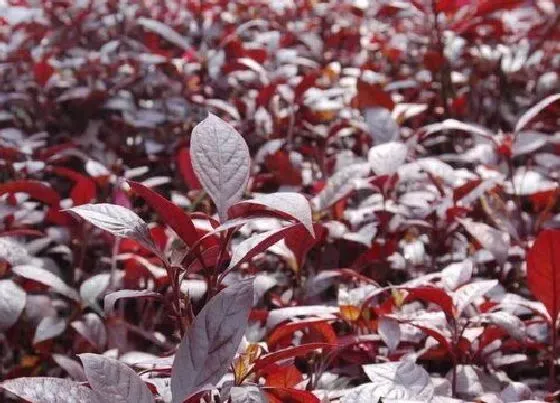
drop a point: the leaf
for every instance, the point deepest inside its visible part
(184, 165)
(339, 185)
(74, 368)
(532, 112)
(293, 205)
(12, 303)
(47, 278)
(403, 380)
(289, 352)
(49, 327)
(543, 270)
(256, 244)
(465, 295)
(92, 288)
(91, 328)
(434, 295)
(457, 274)
(35, 189)
(247, 394)
(207, 350)
(221, 161)
(116, 220)
(382, 127)
(489, 238)
(173, 216)
(385, 159)
(111, 299)
(164, 31)
(50, 390)
(510, 323)
(390, 332)
(115, 381)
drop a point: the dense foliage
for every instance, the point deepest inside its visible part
(279, 201)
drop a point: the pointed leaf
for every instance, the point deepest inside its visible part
(115, 381)
(339, 185)
(390, 332)
(117, 220)
(292, 205)
(398, 380)
(207, 350)
(220, 158)
(35, 189)
(111, 299)
(466, 295)
(256, 244)
(50, 390)
(490, 238)
(543, 270)
(49, 327)
(532, 112)
(47, 278)
(173, 216)
(12, 302)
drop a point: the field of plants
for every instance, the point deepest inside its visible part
(250, 201)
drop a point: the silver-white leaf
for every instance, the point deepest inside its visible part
(385, 159)
(47, 278)
(12, 303)
(117, 220)
(50, 390)
(221, 161)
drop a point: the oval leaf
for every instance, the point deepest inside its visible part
(385, 159)
(47, 278)
(12, 302)
(220, 158)
(117, 220)
(50, 390)
(207, 349)
(543, 270)
(115, 381)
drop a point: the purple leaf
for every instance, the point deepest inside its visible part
(115, 381)
(50, 390)
(221, 161)
(209, 346)
(92, 329)
(12, 302)
(71, 366)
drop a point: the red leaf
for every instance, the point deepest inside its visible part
(286, 330)
(371, 95)
(289, 352)
(184, 164)
(42, 71)
(543, 270)
(35, 189)
(434, 295)
(173, 216)
(284, 395)
(284, 377)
